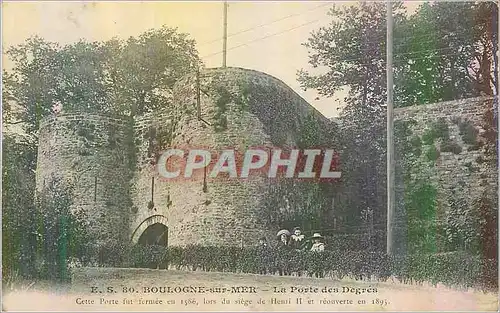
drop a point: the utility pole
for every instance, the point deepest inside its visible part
(198, 93)
(224, 48)
(390, 135)
(497, 99)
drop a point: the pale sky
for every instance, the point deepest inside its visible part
(274, 48)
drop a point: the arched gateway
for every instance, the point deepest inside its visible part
(152, 231)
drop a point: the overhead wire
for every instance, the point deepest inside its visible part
(264, 24)
(315, 21)
(262, 38)
(308, 23)
(296, 27)
(342, 60)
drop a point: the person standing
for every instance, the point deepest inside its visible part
(297, 244)
(318, 247)
(297, 239)
(283, 252)
(263, 253)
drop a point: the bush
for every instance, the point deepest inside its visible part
(432, 154)
(468, 132)
(62, 233)
(451, 147)
(438, 129)
(452, 269)
(355, 242)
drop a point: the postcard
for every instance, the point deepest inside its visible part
(249, 156)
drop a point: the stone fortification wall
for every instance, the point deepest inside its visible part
(90, 152)
(448, 136)
(238, 109)
(111, 161)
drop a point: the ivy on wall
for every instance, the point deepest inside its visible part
(419, 198)
(223, 97)
(461, 223)
(132, 145)
(469, 134)
(310, 133)
(113, 139)
(434, 141)
(459, 227)
(290, 203)
(436, 130)
(159, 139)
(88, 136)
(222, 101)
(432, 154)
(421, 204)
(92, 138)
(439, 130)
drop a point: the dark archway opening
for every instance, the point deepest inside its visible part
(155, 235)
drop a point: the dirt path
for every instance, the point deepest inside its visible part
(99, 289)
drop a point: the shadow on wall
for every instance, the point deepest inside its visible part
(155, 234)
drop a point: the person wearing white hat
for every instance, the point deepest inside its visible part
(318, 245)
(284, 237)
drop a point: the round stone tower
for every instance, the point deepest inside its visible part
(90, 153)
(230, 108)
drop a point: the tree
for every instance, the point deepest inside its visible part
(39, 237)
(18, 212)
(447, 53)
(142, 71)
(62, 231)
(352, 49)
(28, 90)
(485, 35)
(122, 77)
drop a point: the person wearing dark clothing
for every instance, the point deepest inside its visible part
(262, 242)
(297, 239)
(283, 249)
(264, 255)
(318, 247)
(297, 244)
